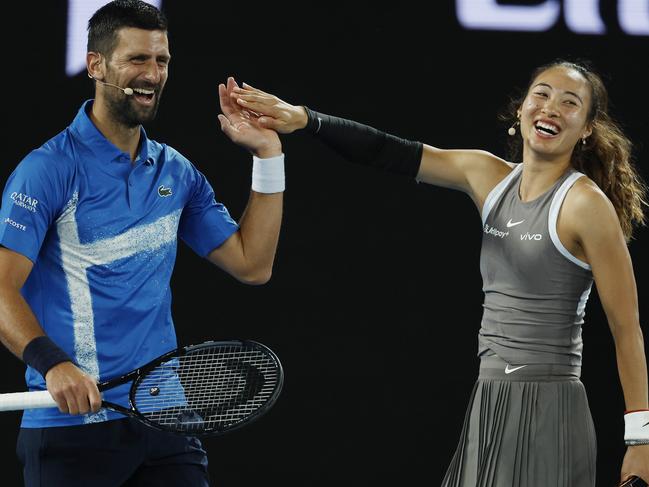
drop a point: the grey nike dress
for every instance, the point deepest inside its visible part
(528, 422)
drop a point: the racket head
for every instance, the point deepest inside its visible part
(207, 389)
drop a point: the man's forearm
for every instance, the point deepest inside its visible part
(259, 227)
(18, 325)
(21, 333)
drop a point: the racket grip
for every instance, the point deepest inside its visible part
(634, 482)
(16, 401)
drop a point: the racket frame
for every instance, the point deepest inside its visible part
(137, 375)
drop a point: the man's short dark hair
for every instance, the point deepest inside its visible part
(105, 23)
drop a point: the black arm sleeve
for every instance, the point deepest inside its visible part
(366, 145)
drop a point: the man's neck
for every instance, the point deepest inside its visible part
(126, 139)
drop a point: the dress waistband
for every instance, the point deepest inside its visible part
(493, 367)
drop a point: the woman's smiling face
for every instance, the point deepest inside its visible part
(554, 114)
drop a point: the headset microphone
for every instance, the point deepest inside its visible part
(127, 91)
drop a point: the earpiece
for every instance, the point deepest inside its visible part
(127, 91)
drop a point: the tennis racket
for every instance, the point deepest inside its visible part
(197, 390)
(634, 482)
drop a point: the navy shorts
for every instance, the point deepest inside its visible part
(120, 453)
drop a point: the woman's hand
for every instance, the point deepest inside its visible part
(272, 112)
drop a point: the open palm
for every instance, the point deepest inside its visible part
(242, 126)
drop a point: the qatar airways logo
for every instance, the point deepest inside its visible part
(581, 16)
(24, 201)
(79, 13)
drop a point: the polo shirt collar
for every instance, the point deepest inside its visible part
(101, 147)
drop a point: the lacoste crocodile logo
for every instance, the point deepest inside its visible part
(164, 192)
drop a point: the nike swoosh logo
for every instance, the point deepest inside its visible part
(513, 224)
(647, 424)
(509, 370)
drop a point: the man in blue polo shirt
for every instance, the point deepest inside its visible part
(88, 228)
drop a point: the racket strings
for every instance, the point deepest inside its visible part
(208, 389)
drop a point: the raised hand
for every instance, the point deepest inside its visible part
(243, 127)
(272, 112)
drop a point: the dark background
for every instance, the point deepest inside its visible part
(375, 301)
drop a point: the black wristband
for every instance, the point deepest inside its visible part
(42, 354)
(366, 145)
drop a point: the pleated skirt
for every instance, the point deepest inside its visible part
(530, 427)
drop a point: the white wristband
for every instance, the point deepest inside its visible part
(268, 174)
(636, 428)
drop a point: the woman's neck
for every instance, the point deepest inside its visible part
(540, 173)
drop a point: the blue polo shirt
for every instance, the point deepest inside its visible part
(102, 234)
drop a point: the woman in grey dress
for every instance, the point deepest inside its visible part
(553, 223)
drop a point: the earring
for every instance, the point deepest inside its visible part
(512, 129)
(583, 140)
